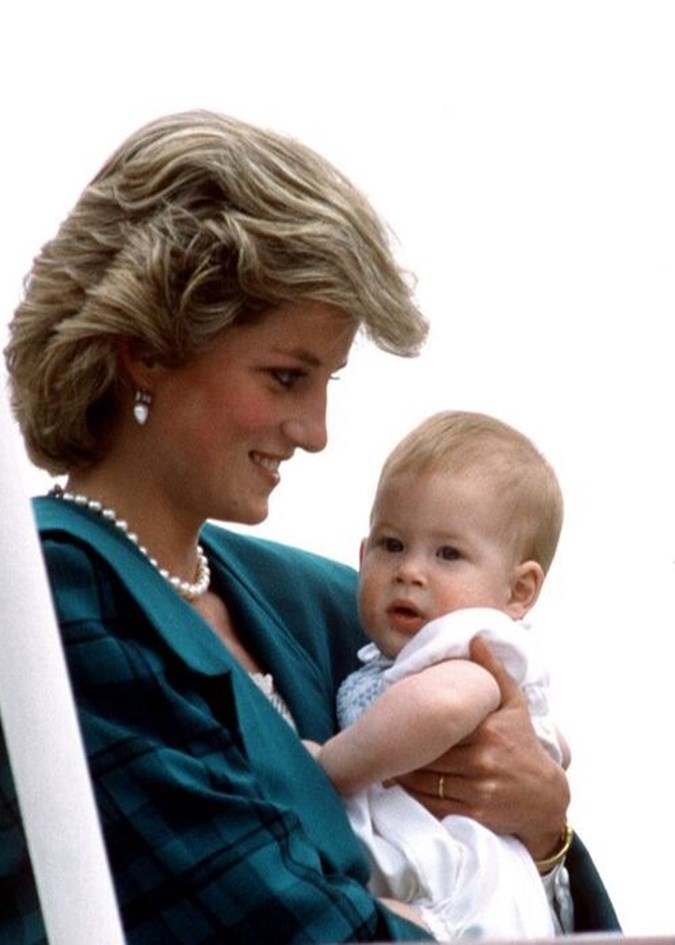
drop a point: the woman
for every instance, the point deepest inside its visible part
(173, 349)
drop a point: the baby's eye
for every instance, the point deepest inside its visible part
(448, 553)
(391, 545)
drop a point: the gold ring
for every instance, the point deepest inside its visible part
(441, 781)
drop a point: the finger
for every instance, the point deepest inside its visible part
(452, 795)
(436, 784)
(482, 654)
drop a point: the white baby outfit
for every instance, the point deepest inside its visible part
(467, 880)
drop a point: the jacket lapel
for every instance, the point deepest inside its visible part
(296, 676)
(179, 625)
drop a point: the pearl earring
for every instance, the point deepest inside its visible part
(142, 403)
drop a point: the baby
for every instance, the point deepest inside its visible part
(463, 529)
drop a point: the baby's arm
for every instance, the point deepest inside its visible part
(413, 722)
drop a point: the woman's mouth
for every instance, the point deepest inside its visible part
(269, 464)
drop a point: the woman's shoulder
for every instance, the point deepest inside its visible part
(80, 573)
(81, 582)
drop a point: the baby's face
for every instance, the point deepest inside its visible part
(432, 549)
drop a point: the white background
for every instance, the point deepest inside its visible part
(524, 155)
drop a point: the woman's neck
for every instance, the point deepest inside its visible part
(165, 530)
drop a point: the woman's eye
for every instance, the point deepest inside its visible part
(448, 553)
(287, 377)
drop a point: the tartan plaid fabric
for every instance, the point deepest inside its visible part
(219, 826)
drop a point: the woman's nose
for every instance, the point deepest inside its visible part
(308, 429)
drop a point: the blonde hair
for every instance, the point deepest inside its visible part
(526, 486)
(197, 222)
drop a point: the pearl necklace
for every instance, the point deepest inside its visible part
(185, 588)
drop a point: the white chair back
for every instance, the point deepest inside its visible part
(42, 733)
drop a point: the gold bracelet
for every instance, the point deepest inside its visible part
(566, 837)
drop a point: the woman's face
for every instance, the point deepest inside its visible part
(221, 425)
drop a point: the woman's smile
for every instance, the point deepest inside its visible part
(269, 465)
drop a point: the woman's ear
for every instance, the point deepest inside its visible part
(528, 579)
(136, 362)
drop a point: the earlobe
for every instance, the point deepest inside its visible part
(527, 582)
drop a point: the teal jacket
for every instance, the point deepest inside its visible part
(219, 825)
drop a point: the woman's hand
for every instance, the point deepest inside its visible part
(500, 775)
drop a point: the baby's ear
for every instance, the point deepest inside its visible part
(527, 582)
(362, 551)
